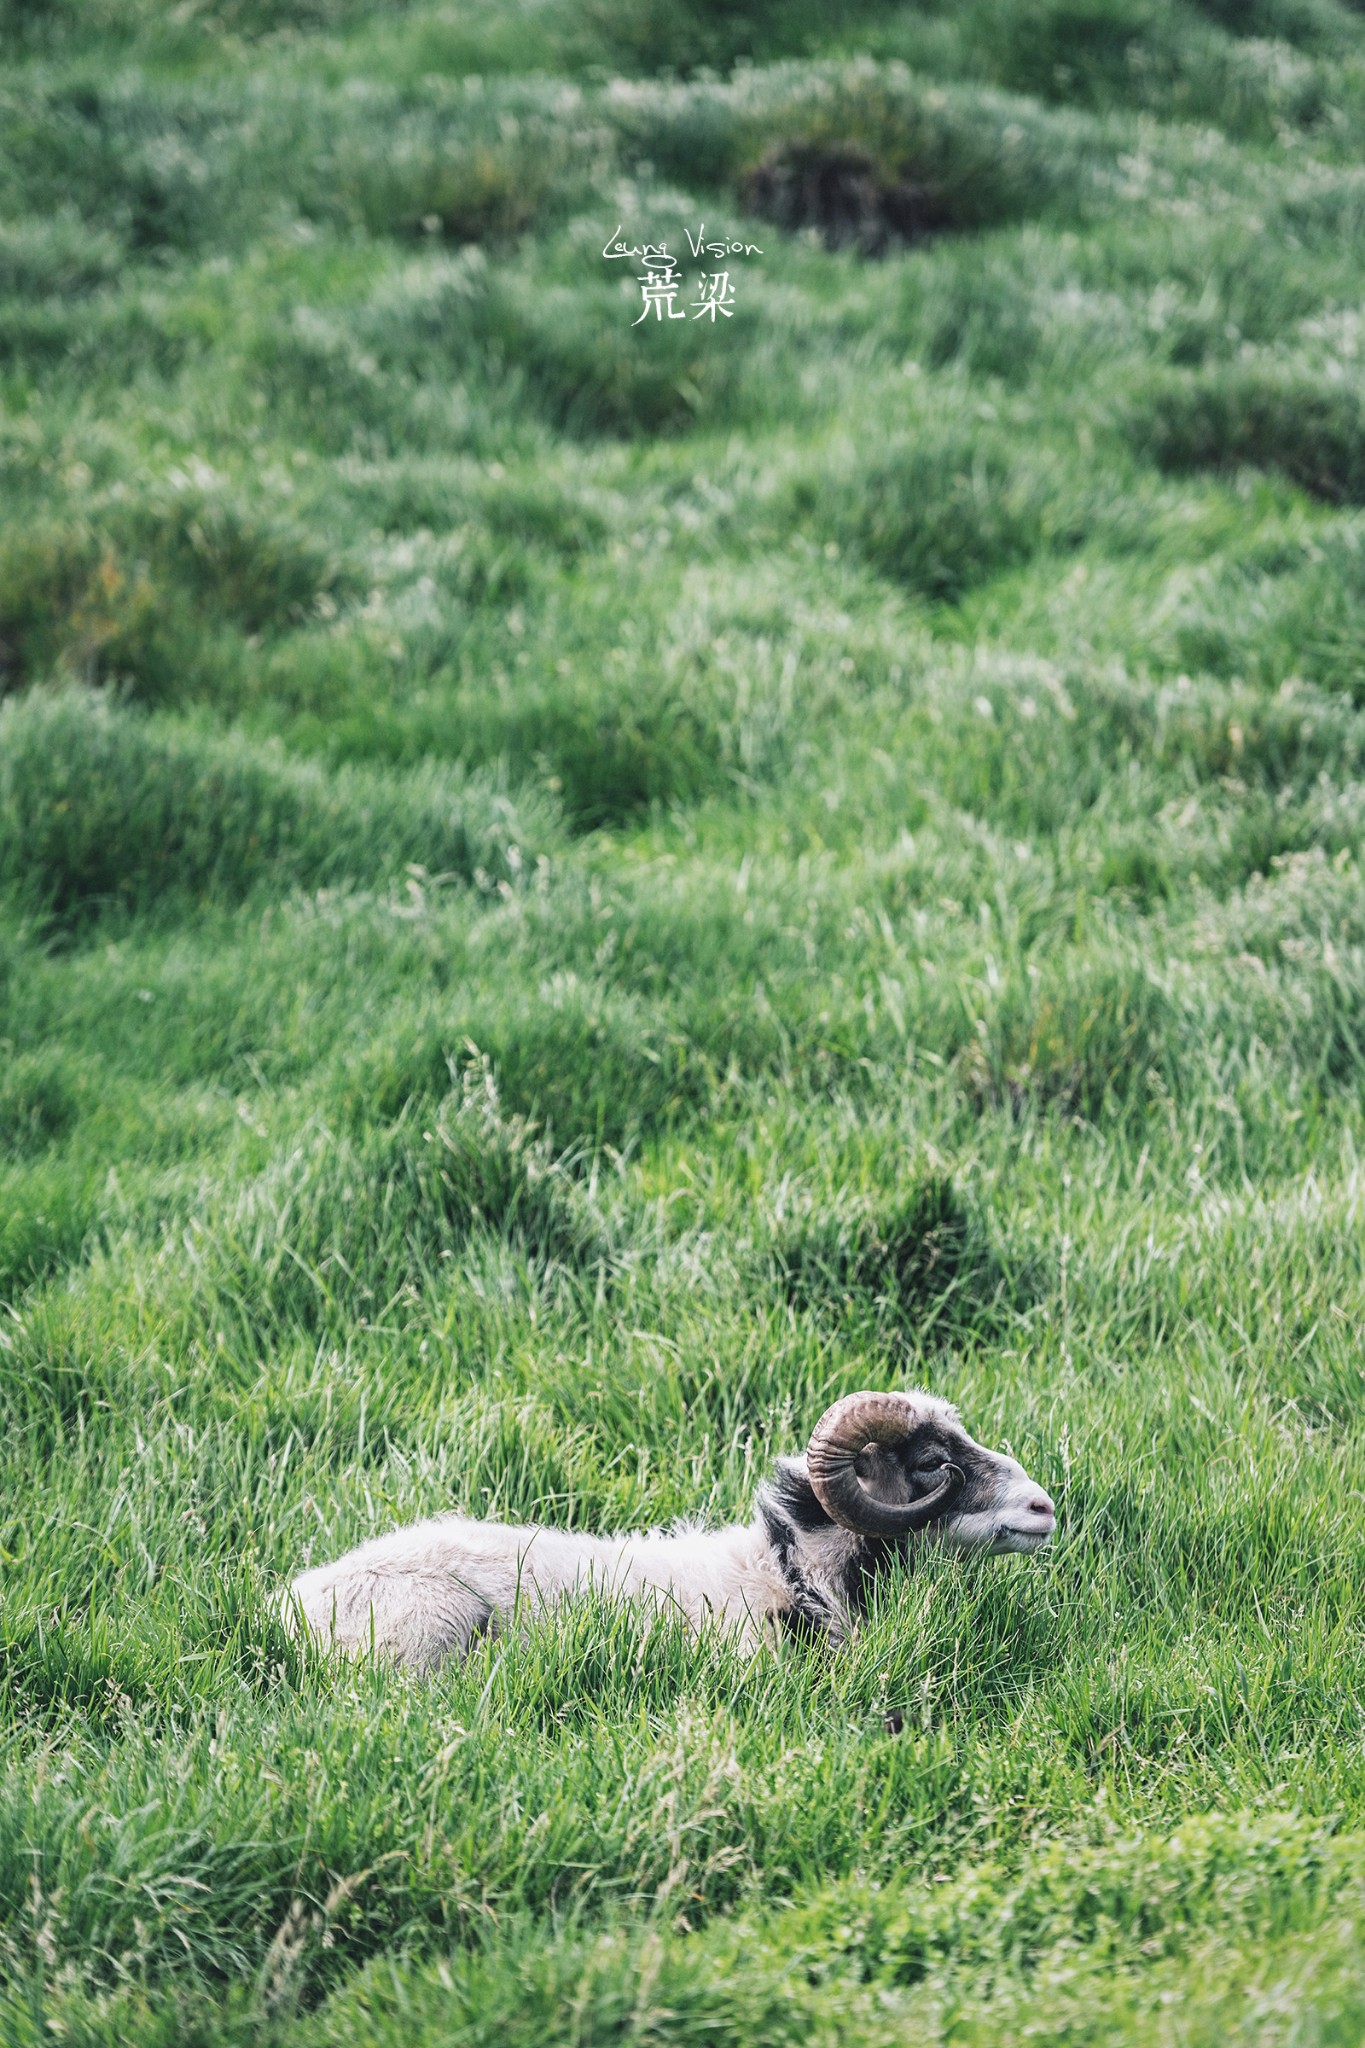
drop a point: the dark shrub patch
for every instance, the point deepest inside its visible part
(956, 159)
(840, 190)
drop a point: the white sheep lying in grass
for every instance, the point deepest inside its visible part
(882, 1474)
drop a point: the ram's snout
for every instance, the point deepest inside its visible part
(1026, 1524)
(1002, 1511)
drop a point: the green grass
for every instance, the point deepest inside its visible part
(571, 892)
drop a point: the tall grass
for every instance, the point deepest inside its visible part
(571, 892)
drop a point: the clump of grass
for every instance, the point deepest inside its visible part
(102, 808)
(942, 508)
(50, 586)
(647, 36)
(49, 1211)
(1310, 429)
(536, 506)
(127, 595)
(984, 317)
(345, 1228)
(56, 258)
(839, 191)
(610, 747)
(979, 159)
(255, 571)
(444, 151)
(922, 1260)
(1155, 54)
(39, 1100)
(1090, 1047)
(573, 352)
(1283, 615)
(426, 177)
(584, 1063)
(583, 364)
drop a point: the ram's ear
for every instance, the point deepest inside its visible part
(794, 1495)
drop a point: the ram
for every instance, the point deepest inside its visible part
(883, 1474)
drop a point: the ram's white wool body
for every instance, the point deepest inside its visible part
(423, 1591)
(817, 1539)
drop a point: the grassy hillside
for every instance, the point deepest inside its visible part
(570, 891)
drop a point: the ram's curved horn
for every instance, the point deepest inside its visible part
(831, 1459)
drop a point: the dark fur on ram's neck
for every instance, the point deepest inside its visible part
(830, 1570)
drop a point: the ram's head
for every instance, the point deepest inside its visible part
(891, 1464)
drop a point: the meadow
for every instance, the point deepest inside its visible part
(570, 892)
